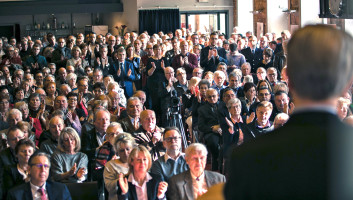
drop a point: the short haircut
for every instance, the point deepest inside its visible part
(248, 86)
(12, 112)
(37, 154)
(25, 142)
(233, 101)
(68, 131)
(233, 47)
(204, 82)
(171, 128)
(195, 148)
(123, 138)
(329, 69)
(264, 104)
(99, 85)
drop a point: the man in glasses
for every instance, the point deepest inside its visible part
(173, 161)
(39, 187)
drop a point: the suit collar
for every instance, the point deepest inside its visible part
(188, 185)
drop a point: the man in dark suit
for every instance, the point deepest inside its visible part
(131, 123)
(196, 181)
(95, 137)
(185, 59)
(124, 73)
(212, 55)
(253, 55)
(39, 187)
(310, 156)
(209, 125)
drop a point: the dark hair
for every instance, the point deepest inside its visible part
(233, 47)
(34, 95)
(71, 94)
(204, 82)
(36, 154)
(170, 129)
(4, 96)
(263, 88)
(99, 85)
(226, 90)
(248, 86)
(280, 92)
(268, 52)
(24, 142)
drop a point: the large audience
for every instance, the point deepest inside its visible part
(122, 110)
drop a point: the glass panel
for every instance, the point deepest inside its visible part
(222, 24)
(203, 23)
(183, 20)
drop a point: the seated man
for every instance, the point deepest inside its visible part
(196, 181)
(39, 187)
(173, 162)
(208, 123)
(149, 134)
(262, 123)
(56, 125)
(131, 123)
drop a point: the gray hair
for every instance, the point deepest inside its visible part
(329, 69)
(195, 148)
(233, 101)
(71, 133)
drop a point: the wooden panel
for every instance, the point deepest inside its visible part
(260, 15)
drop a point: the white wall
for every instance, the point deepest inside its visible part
(277, 20)
(310, 10)
(245, 18)
(349, 26)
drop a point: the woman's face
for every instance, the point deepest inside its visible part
(4, 105)
(251, 93)
(235, 109)
(157, 51)
(20, 95)
(203, 89)
(25, 112)
(76, 53)
(24, 153)
(342, 110)
(124, 152)
(69, 143)
(72, 83)
(51, 89)
(34, 103)
(140, 163)
(130, 52)
(25, 132)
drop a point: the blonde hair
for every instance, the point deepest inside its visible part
(134, 154)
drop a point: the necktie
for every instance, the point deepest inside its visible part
(42, 194)
(253, 51)
(122, 67)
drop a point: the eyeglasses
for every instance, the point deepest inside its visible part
(15, 138)
(4, 102)
(212, 96)
(170, 139)
(41, 165)
(123, 150)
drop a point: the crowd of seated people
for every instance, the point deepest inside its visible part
(103, 105)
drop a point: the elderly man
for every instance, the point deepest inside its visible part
(194, 182)
(185, 59)
(262, 124)
(142, 96)
(95, 137)
(165, 92)
(212, 55)
(272, 76)
(320, 168)
(149, 134)
(131, 123)
(281, 104)
(218, 78)
(197, 72)
(72, 119)
(49, 139)
(173, 162)
(208, 123)
(171, 54)
(39, 187)
(61, 54)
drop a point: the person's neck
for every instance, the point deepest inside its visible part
(235, 117)
(173, 153)
(140, 177)
(197, 174)
(23, 166)
(260, 123)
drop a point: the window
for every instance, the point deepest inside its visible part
(205, 21)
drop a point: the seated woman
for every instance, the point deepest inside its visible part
(26, 128)
(18, 174)
(235, 130)
(68, 164)
(149, 186)
(123, 145)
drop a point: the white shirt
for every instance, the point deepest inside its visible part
(199, 184)
(141, 191)
(167, 157)
(37, 195)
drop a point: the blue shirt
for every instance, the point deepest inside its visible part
(170, 167)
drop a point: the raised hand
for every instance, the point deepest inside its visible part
(123, 184)
(181, 61)
(186, 60)
(98, 61)
(72, 170)
(129, 72)
(250, 118)
(162, 188)
(162, 65)
(210, 54)
(69, 116)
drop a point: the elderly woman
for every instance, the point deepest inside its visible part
(342, 107)
(18, 174)
(235, 130)
(77, 61)
(26, 128)
(71, 80)
(196, 181)
(123, 144)
(68, 164)
(139, 181)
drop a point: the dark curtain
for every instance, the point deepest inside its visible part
(154, 21)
